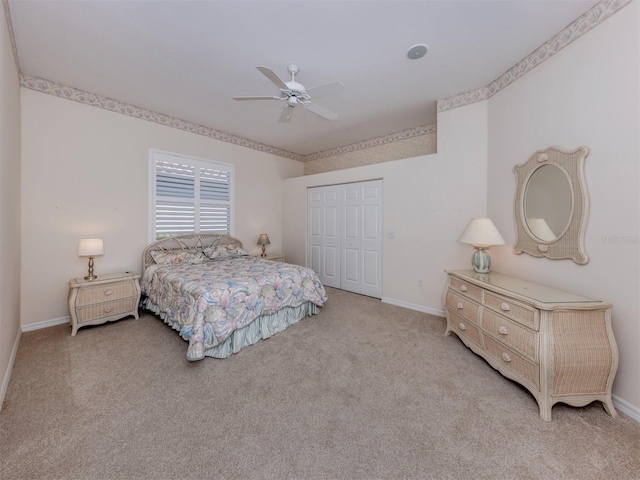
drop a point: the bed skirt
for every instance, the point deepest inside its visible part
(262, 327)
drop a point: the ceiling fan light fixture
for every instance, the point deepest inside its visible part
(296, 94)
(417, 51)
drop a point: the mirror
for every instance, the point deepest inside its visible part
(552, 207)
(548, 203)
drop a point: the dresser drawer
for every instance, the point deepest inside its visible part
(511, 333)
(465, 328)
(523, 314)
(106, 309)
(512, 360)
(103, 293)
(466, 289)
(463, 306)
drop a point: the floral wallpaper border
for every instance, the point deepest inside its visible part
(7, 16)
(590, 19)
(70, 93)
(373, 142)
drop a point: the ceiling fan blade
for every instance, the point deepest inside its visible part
(326, 89)
(257, 98)
(271, 75)
(285, 116)
(323, 112)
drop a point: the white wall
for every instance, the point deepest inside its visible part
(9, 208)
(428, 201)
(585, 95)
(85, 174)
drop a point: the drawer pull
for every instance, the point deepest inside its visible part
(108, 309)
(463, 288)
(460, 305)
(462, 326)
(506, 357)
(503, 330)
(108, 291)
(505, 306)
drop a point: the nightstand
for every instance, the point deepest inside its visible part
(107, 298)
(274, 257)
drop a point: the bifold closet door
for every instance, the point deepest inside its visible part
(361, 238)
(324, 254)
(345, 236)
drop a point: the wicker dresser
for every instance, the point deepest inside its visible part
(107, 298)
(558, 345)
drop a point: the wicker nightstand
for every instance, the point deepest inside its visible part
(274, 257)
(107, 298)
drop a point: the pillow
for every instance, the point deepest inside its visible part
(182, 256)
(222, 251)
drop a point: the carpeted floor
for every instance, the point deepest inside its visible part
(364, 390)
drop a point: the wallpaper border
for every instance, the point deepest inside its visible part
(47, 86)
(70, 93)
(584, 23)
(374, 142)
(7, 16)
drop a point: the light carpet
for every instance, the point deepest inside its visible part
(364, 390)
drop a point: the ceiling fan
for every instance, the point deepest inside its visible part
(294, 93)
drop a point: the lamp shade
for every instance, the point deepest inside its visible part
(263, 239)
(481, 232)
(90, 247)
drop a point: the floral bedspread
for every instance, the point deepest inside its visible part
(208, 301)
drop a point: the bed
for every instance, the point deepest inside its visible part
(219, 298)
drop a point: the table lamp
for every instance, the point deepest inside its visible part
(481, 233)
(90, 247)
(263, 240)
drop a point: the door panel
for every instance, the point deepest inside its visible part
(351, 222)
(330, 237)
(331, 270)
(371, 242)
(315, 257)
(351, 275)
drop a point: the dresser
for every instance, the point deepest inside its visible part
(558, 345)
(107, 298)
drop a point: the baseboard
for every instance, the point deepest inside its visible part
(412, 306)
(626, 408)
(46, 324)
(7, 373)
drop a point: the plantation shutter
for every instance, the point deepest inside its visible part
(190, 195)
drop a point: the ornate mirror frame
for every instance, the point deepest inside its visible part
(569, 243)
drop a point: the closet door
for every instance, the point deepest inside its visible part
(361, 238)
(323, 234)
(371, 239)
(351, 223)
(345, 236)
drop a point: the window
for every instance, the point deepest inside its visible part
(189, 195)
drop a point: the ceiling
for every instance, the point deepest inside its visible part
(188, 59)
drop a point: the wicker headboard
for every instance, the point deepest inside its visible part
(191, 241)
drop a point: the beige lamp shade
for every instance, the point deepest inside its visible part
(90, 247)
(481, 232)
(263, 240)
